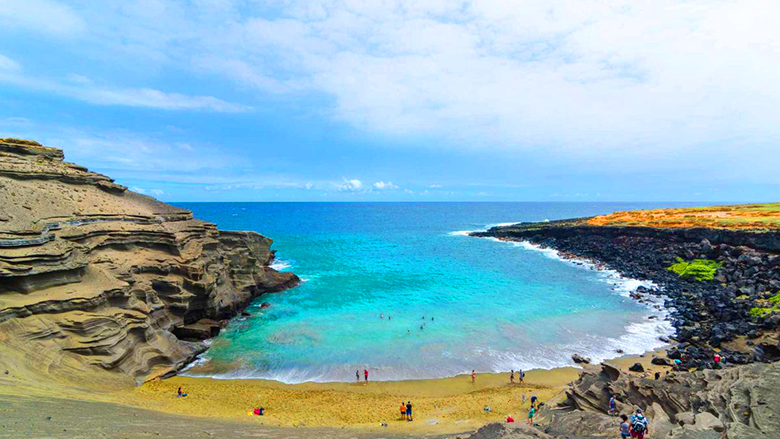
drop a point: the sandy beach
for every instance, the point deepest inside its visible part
(441, 406)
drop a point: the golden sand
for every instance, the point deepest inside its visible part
(440, 405)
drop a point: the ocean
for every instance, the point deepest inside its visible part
(401, 290)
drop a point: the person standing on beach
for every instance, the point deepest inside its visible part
(531, 413)
(473, 376)
(409, 411)
(520, 375)
(403, 411)
(512, 377)
(357, 375)
(365, 374)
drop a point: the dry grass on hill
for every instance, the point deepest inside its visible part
(742, 216)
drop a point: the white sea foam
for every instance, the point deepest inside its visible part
(484, 229)
(640, 336)
(280, 265)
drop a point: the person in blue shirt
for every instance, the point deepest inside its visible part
(639, 425)
(612, 406)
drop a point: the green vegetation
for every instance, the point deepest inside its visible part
(699, 269)
(760, 312)
(772, 305)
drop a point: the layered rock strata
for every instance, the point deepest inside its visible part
(735, 403)
(95, 276)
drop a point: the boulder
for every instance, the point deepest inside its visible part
(509, 431)
(660, 361)
(637, 367)
(707, 421)
(579, 359)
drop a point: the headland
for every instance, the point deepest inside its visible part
(105, 294)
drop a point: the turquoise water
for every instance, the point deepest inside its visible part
(372, 271)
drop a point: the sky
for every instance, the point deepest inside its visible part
(396, 100)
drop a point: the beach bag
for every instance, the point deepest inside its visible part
(638, 425)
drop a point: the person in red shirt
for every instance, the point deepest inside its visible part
(365, 374)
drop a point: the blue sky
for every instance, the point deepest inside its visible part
(341, 100)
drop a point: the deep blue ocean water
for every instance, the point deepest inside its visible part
(372, 271)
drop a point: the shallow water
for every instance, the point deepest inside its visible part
(487, 305)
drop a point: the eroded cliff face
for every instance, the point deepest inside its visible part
(93, 276)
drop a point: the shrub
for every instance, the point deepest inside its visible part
(699, 269)
(760, 312)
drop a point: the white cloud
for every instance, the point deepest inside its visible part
(79, 79)
(15, 122)
(353, 185)
(8, 64)
(381, 185)
(619, 79)
(633, 78)
(308, 186)
(11, 73)
(40, 16)
(434, 186)
(154, 192)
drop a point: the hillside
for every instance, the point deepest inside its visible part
(94, 277)
(735, 217)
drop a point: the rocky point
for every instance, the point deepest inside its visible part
(93, 275)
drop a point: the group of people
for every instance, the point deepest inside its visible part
(406, 411)
(635, 427)
(408, 331)
(365, 375)
(520, 376)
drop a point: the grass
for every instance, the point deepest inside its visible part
(742, 217)
(699, 269)
(770, 306)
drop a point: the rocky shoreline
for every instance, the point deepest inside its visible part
(709, 316)
(95, 278)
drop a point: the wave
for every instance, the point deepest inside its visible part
(484, 229)
(280, 265)
(640, 336)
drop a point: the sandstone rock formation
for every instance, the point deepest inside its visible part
(739, 402)
(95, 276)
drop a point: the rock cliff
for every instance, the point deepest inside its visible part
(735, 403)
(93, 276)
